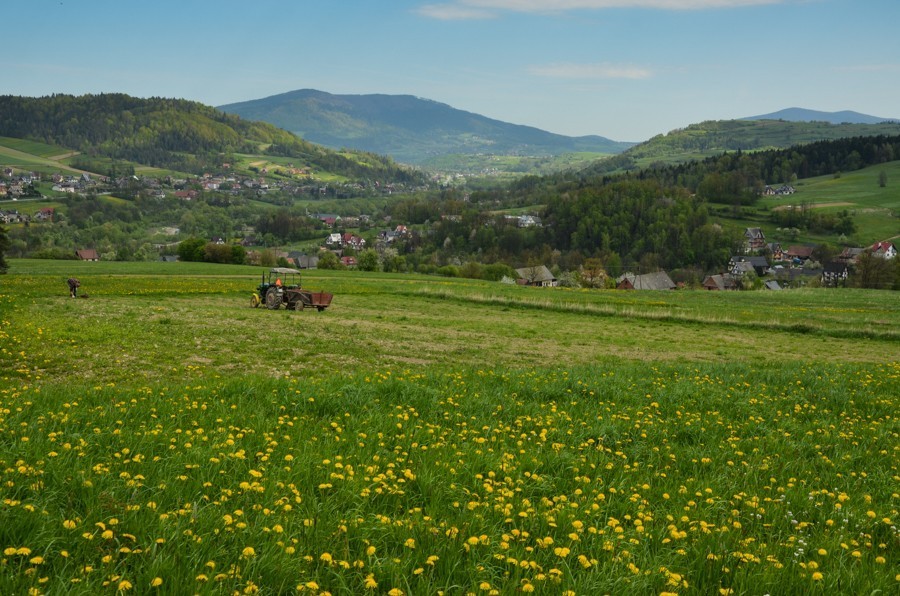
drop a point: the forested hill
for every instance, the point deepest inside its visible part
(173, 134)
(714, 137)
(410, 129)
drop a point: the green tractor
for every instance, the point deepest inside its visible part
(282, 286)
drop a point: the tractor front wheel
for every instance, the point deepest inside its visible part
(255, 300)
(273, 299)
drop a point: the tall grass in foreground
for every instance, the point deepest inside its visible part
(627, 478)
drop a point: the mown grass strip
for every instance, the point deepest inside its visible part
(662, 315)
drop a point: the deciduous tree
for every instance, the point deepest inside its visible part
(4, 246)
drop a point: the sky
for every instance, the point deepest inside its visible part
(623, 69)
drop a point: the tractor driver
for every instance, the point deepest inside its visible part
(278, 282)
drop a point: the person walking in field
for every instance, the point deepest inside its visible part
(74, 284)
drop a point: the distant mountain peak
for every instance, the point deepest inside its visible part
(410, 129)
(805, 115)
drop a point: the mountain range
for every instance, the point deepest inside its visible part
(804, 115)
(409, 129)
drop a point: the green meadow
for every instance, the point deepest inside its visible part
(873, 208)
(429, 435)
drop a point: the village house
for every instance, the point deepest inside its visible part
(799, 254)
(647, 281)
(536, 276)
(755, 239)
(44, 214)
(784, 189)
(720, 282)
(834, 274)
(850, 255)
(13, 216)
(740, 264)
(775, 251)
(884, 250)
(353, 241)
(87, 254)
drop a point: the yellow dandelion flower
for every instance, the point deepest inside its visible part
(248, 552)
(371, 584)
(395, 592)
(69, 524)
(36, 560)
(410, 543)
(326, 558)
(817, 576)
(124, 585)
(370, 551)
(156, 582)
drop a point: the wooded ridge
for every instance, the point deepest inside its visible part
(174, 134)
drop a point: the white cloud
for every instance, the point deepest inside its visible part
(481, 9)
(454, 12)
(591, 71)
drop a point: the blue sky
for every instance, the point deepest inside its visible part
(623, 69)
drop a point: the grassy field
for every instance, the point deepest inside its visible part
(875, 209)
(429, 435)
(33, 147)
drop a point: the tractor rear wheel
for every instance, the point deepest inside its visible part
(273, 299)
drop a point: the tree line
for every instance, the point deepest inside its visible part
(173, 134)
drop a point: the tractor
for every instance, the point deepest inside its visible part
(281, 285)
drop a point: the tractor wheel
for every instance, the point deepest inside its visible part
(298, 304)
(255, 300)
(273, 299)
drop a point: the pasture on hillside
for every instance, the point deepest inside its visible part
(428, 435)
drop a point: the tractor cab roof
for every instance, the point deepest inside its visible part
(284, 270)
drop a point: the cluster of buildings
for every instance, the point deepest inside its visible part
(11, 216)
(789, 265)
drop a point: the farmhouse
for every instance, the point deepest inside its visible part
(536, 276)
(834, 274)
(756, 240)
(850, 255)
(775, 251)
(799, 253)
(648, 281)
(722, 282)
(87, 254)
(741, 264)
(884, 250)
